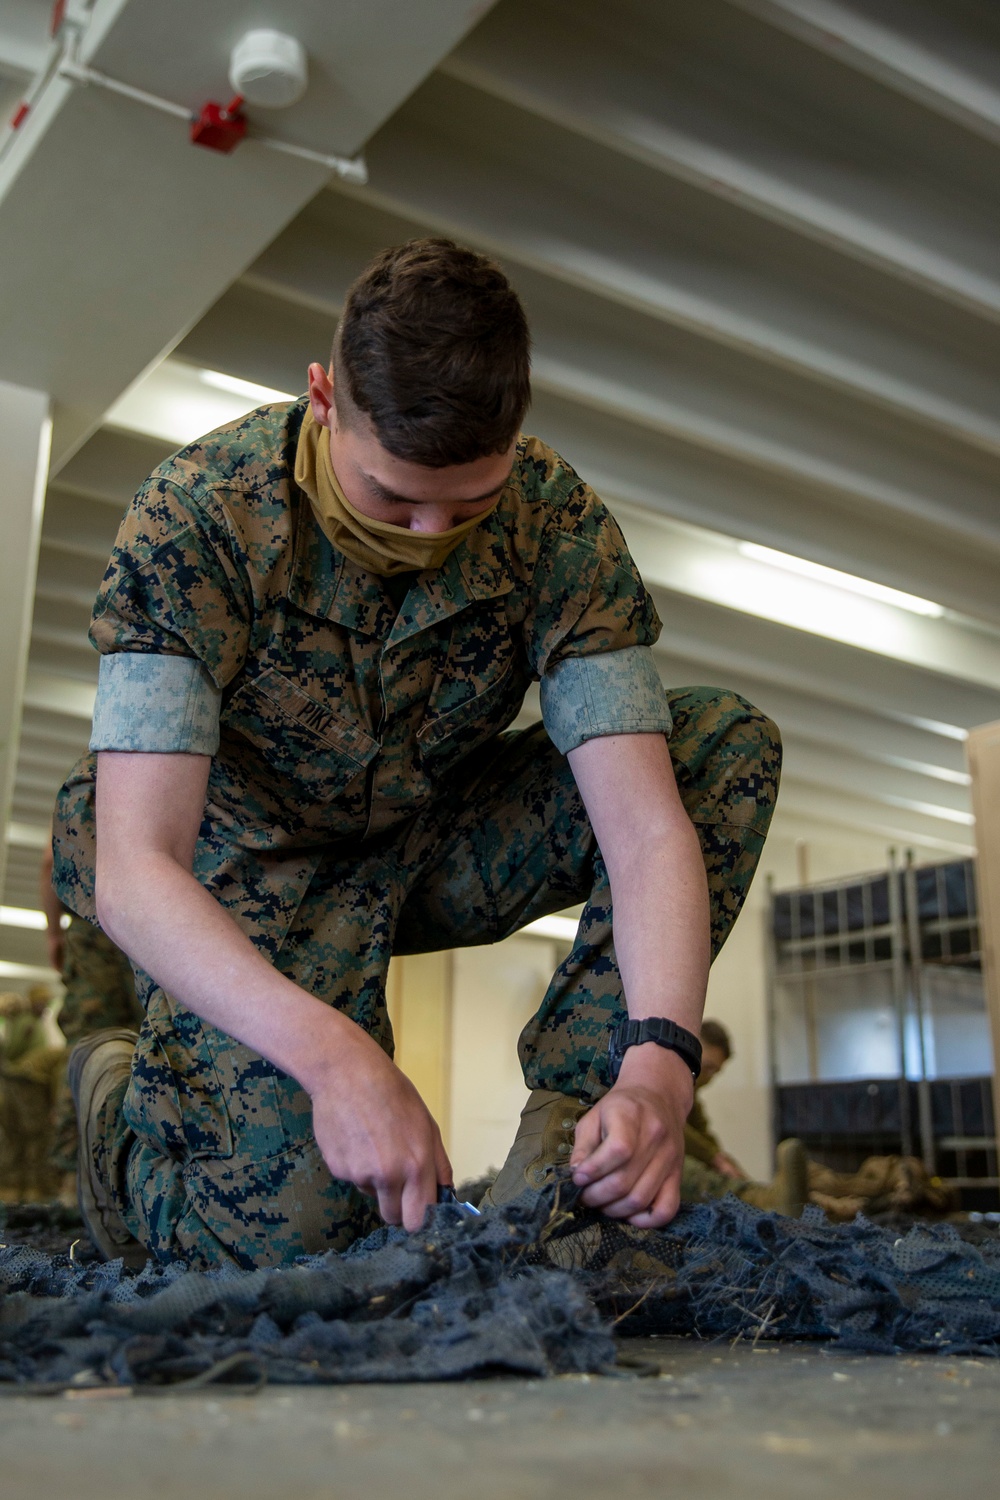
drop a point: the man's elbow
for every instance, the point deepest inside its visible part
(118, 893)
(662, 826)
(110, 904)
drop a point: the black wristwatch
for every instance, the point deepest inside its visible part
(653, 1029)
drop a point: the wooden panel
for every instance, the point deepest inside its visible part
(419, 998)
(984, 763)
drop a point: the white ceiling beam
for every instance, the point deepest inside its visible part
(19, 60)
(60, 694)
(33, 778)
(720, 640)
(28, 835)
(94, 550)
(710, 567)
(68, 640)
(814, 803)
(666, 476)
(901, 62)
(891, 787)
(799, 820)
(854, 730)
(25, 436)
(24, 37)
(548, 89)
(588, 269)
(586, 385)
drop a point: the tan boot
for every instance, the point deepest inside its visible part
(96, 1065)
(543, 1142)
(788, 1191)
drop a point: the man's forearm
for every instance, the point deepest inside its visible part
(216, 971)
(661, 920)
(656, 871)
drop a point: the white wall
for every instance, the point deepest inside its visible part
(495, 990)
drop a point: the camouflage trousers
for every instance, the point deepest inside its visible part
(209, 1152)
(100, 991)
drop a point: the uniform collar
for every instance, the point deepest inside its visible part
(324, 582)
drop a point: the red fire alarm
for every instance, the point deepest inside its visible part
(220, 127)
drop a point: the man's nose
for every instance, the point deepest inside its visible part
(433, 518)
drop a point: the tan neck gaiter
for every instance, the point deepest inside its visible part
(375, 545)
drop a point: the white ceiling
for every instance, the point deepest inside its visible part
(757, 241)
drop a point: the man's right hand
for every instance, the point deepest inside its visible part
(374, 1130)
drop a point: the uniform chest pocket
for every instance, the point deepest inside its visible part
(299, 737)
(445, 739)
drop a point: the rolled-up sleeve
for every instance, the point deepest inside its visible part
(591, 621)
(155, 703)
(171, 623)
(618, 692)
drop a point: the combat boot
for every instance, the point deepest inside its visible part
(97, 1064)
(543, 1142)
(788, 1191)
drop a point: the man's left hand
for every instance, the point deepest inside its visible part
(629, 1149)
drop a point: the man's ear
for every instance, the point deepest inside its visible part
(321, 394)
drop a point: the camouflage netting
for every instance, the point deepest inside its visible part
(534, 1289)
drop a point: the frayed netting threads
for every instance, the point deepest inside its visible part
(534, 1289)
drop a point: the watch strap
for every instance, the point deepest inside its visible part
(658, 1029)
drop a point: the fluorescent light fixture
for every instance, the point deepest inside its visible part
(258, 394)
(760, 581)
(923, 768)
(838, 580)
(22, 916)
(563, 928)
(29, 835)
(179, 402)
(935, 726)
(931, 810)
(10, 970)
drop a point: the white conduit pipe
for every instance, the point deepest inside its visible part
(351, 168)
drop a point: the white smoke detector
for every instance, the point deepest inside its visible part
(269, 69)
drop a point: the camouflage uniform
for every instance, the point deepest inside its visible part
(28, 1070)
(100, 991)
(364, 800)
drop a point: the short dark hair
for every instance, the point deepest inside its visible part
(433, 345)
(714, 1034)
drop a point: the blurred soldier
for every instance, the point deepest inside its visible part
(100, 991)
(699, 1139)
(29, 1070)
(709, 1172)
(881, 1184)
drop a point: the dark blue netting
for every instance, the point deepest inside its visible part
(531, 1289)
